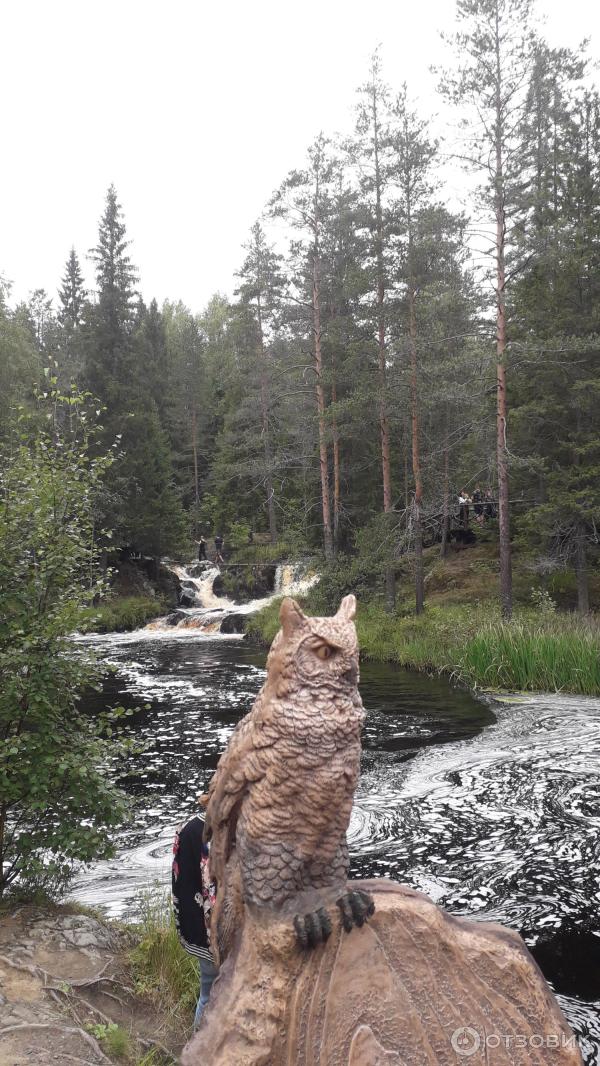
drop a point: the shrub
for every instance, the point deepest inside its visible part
(57, 803)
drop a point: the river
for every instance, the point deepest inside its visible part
(492, 812)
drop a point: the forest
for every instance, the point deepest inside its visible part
(399, 397)
(384, 348)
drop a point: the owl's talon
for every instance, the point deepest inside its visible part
(312, 929)
(355, 908)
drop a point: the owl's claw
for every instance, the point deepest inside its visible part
(355, 908)
(312, 929)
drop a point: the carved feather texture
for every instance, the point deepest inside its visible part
(281, 795)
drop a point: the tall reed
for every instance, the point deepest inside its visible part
(561, 655)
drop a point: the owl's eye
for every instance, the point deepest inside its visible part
(324, 651)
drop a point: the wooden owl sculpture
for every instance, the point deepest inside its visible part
(279, 804)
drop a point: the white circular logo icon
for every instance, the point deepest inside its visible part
(465, 1041)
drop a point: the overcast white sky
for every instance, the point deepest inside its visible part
(195, 110)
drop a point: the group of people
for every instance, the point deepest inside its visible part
(481, 502)
(202, 548)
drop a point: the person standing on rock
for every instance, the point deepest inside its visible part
(193, 896)
(201, 549)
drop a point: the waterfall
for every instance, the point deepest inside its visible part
(202, 609)
(201, 588)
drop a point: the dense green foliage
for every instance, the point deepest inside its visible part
(57, 800)
(267, 412)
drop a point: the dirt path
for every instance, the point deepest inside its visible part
(66, 995)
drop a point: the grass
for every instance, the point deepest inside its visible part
(115, 1040)
(121, 613)
(558, 655)
(161, 968)
(542, 650)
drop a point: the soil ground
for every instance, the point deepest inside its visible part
(65, 987)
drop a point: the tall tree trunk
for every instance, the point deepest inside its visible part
(269, 487)
(446, 497)
(265, 429)
(336, 462)
(501, 401)
(195, 458)
(583, 589)
(320, 392)
(384, 425)
(416, 456)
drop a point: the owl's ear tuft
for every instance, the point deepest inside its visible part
(347, 608)
(290, 616)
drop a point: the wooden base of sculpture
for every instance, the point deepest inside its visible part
(413, 987)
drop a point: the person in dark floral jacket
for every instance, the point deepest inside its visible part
(193, 896)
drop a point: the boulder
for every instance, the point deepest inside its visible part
(234, 623)
(413, 987)
(243, 582)
(188, 597)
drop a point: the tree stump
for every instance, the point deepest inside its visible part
(413, 987)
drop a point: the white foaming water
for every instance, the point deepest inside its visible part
(210, 610)
(202, 586)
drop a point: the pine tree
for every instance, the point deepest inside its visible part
(494, 45)
(556, 308)
(371, 151)
(191, 406)
(304, 200)
(260, 292)
(415, 155)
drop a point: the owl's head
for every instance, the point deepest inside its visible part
(316, 652)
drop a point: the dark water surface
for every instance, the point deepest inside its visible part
(493, 814)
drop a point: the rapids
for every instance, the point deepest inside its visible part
(492, 809)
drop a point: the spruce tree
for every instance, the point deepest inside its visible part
(71, 295)
(123, 349)
(109, 359)
(72, 305)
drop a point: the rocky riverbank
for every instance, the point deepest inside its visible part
(69, 993)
